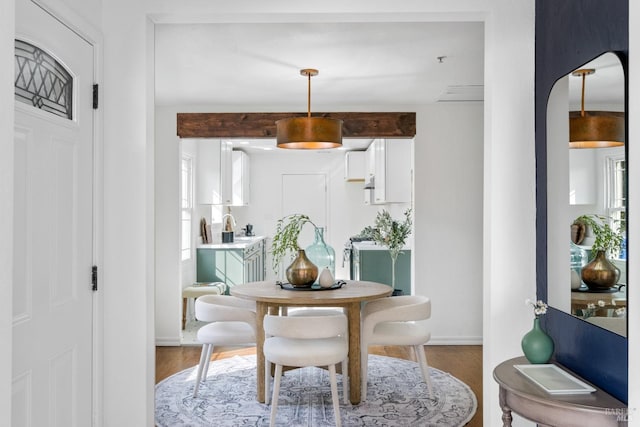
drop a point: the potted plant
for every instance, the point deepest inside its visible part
(392, 234)
(600, 273)
(301, 272)
(606, 238)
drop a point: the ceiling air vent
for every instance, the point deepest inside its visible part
(462, 93)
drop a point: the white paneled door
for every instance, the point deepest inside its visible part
(53, 250)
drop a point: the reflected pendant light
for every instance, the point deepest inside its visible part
(594, 129)
(309, 133)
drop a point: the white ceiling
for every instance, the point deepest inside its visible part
(363, 66)
(242, 66)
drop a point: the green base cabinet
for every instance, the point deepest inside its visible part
(375, 266)
(231, 266)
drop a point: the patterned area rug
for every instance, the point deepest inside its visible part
(397, 396)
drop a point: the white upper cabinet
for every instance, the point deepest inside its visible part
(354, 162)
(240, 178)
(389, 171)
(222, 174)
(208, 172)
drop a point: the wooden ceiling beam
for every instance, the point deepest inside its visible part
(262, 125)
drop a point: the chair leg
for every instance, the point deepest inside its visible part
(207, 360)
(345, 381)
(364, 359)
(203, 357)
(424, 366)
(334, 394)
(276, 393)
(267, 381)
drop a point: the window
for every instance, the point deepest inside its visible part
(616, 191)
(41, 81)
(186, 207)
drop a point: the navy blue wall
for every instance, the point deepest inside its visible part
(570, 33)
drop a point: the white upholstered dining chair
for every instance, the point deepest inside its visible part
(399, 320)
(232, 322)
(302, 341)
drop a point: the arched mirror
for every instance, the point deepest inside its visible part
(586, 194)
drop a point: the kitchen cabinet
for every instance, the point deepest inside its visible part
(232, 263)
(222, 174)
(373, 263)
(388, 171)
(239, 179)
(354, 162)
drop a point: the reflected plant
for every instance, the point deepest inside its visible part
(591, 309)
(607, 239)
(392, 234)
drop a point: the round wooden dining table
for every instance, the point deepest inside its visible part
(270, 297)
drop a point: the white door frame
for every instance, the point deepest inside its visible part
(89, 33)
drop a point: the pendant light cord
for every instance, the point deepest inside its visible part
(584, 77)
(309, 94)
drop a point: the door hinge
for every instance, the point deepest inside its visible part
(95, 96)
(94, 278)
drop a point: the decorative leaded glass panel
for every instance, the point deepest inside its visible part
(41, 81)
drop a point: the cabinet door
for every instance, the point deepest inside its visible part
(240, 178)
(380, 171)
(354, 166)
(397, 170)
(234, 267)
(375, 266)
(226, 172)
(208, 164)
(210, 265)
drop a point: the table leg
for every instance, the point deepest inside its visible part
(261, 311)
(353, 315)
(506, 411)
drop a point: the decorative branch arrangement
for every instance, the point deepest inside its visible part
(285, 240)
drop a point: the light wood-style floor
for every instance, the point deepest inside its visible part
(462, 361)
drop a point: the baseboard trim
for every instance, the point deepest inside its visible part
(167, 342)
(455, 341)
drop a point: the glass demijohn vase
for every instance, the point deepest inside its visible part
(322, 254)
(537, 346)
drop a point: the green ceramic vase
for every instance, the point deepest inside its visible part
(537, 345)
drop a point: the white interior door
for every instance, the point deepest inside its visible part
(53, 249)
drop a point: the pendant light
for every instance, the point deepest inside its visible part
(309, 133)
(594, 129)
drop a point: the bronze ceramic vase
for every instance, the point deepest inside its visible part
(302, 273)
(600, 274)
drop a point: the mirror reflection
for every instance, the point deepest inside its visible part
(586, 194)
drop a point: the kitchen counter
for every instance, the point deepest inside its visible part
(241, 242)
(369, 245)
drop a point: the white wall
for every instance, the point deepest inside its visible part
(168, 300)
(448, 211)
(509, 189)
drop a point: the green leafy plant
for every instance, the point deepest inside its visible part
(285, 241)
(607, 239)
(392, 234)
